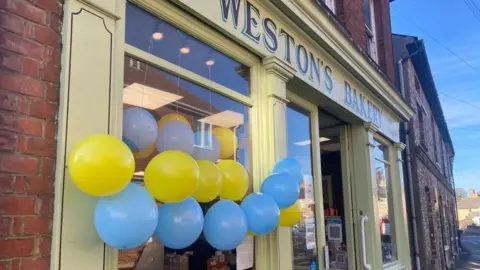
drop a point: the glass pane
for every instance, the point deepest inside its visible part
(380, 151)
(162, 94)
(299, 147)
(149, 33)
(385, 211)
(367, 13)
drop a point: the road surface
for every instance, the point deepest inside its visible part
(471, 244)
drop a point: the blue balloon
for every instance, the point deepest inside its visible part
(225, 225)
(206, 149)
(291, 166)
(262, 213)
(127, 219)
(283, 188)
(140, 129)
(179, 224)
(175, 135)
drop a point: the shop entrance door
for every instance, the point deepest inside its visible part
(337, 194)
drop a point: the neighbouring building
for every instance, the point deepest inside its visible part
(468, 209)
(429, 154)
(311, 80)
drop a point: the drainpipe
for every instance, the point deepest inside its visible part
(409, 164)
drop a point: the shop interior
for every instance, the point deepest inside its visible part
(332, 186)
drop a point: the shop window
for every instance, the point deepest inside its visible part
(220, 125)
(371, 38)
(299, 147)
(385, 206)
(155, 36)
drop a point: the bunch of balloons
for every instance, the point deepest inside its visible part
(126, 214)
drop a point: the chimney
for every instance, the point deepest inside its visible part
(471, 193)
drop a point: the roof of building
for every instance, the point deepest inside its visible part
(469, 203)
(411, 46)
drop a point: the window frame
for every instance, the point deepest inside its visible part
(370, 34)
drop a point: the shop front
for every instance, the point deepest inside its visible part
(264, 80)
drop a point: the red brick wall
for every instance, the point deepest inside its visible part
(30, 45)
(350, 14)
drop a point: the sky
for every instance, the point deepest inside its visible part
(454, 25)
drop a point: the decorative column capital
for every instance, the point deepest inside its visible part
(371, 127)
(273, 65)
(399, 146)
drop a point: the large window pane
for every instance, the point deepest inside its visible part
(161, 94)
(384, 203)
(299, 147)
(149, 33)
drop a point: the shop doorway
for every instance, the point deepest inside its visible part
(337, 198)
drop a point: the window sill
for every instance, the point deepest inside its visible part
(396, 265)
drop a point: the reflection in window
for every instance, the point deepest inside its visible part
(299, 147)
(164, 94)
(384, 202)
(148, 33)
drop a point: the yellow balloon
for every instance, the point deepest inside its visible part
(210, 182)
(172, 117)
(145, 153)
(101, 165)
(290, 216)
(234, 180)
(172, 176)
(227, 141)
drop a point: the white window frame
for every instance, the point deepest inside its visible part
(371, 35)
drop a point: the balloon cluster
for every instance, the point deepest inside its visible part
(126, 214)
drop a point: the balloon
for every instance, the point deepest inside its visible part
(290, 216)
(234, 180)
(208, 150)
(227, 140)
(171, 176)
(291, 166)
(172, 117)
(139, 128)
(225, 225)
(175, 135)
(128, 219)
(179, 224)
(262, 213)
(101, 165)
(210, 182)
(283, 189)
(145, 153)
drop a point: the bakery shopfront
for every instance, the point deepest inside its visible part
(255, 81)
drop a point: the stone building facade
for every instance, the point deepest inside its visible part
(428, 171)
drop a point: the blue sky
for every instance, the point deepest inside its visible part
(453, 24)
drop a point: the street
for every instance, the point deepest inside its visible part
(471, 246)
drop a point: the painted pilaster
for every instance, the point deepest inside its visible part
(272, 101)
(401, 219)
(90, 103)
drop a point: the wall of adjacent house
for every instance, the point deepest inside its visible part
(30, 49)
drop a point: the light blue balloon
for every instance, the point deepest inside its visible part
(225, 225)
(179, 224)
(262, 213)
(291, 166)
(175, 135)
(139, 128)
(127, 219)
(208, 150)
(283, 188)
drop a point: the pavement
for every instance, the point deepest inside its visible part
(470, 257)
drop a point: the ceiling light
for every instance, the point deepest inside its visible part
(307, 142)
(157, 36)
(185, 50)
(147, 97)
(210, 62)
(225, 119)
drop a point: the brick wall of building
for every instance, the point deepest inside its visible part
(431, 171)
(30, 49)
